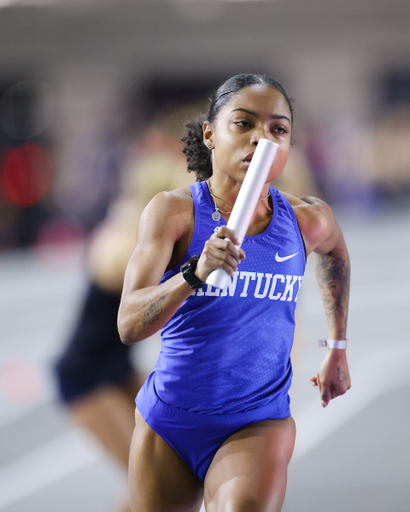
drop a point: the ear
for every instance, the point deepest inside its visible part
(208, 134)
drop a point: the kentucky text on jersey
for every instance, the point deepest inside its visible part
(258, 285)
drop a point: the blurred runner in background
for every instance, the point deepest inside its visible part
(97, 379)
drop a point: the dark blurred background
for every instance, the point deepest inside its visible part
(80, 81)
(85, 88)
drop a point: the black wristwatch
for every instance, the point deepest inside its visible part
(188, 271)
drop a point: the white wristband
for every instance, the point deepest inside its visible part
(333, 343)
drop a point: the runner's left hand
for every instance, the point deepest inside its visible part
(333, 378)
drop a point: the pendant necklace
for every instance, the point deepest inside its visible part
(216, 215)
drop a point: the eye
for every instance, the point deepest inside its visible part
(243, 123)
(280, 129)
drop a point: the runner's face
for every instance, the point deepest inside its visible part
(254, 112)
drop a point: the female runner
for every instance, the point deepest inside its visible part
(213, 420)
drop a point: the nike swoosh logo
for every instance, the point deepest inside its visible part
(284, 258)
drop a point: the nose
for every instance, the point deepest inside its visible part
(260, 133)
(255, 138)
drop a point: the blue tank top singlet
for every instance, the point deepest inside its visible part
(228, 351)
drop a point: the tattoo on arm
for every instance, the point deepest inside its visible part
(153, 312)
(333, 277)
(341, 375)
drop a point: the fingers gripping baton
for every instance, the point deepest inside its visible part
(248, 197)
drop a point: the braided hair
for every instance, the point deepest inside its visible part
(198, 155)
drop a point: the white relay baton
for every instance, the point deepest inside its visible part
(245, 204)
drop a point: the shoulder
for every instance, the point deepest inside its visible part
(316, 221)
(168, 213)
(177, 201)
(179, 197)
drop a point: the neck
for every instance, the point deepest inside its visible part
(223, 201)
(262, 206)
(226, 191)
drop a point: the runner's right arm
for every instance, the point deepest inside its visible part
(146, 306)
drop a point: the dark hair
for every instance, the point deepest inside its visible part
(197, 154)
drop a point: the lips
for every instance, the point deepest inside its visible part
(247, 159)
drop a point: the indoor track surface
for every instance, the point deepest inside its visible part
(353, 456)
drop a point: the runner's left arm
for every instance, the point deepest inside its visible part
(332, 269)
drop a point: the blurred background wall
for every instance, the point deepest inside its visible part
(84, 85)
(73, 77)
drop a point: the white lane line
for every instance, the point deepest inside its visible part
(379, 373)
(47, 464)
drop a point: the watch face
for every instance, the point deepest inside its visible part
(188, 271)
(189, 265)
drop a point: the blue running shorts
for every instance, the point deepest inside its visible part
(197, 437)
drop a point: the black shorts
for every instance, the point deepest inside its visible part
(94, 355)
